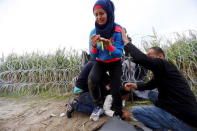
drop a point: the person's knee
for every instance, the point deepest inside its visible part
(152, 93)
(92, 80)
(153, 96)
(91, 84)
(91, 63)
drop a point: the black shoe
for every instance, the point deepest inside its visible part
(70, 108)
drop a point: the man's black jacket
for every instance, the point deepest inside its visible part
(175, 95)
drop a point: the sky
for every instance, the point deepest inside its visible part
(46, 25)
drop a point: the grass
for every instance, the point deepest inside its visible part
(138, 103)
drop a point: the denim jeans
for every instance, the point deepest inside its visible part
(153, 96)
(157, 118)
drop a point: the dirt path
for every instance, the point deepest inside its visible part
(33, 114)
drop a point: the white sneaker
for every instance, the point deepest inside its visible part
(96, 113)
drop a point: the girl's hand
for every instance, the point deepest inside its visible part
(94, 40)
(106, 42)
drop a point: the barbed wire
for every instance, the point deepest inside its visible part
(41, 79)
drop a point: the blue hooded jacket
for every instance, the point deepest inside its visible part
(110, 30)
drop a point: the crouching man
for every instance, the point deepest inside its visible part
(175, 104)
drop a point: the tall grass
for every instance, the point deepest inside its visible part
(52, 74)
(181, 50)
(39, 74)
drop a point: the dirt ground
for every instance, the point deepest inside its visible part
(34, 114)
(43, 114)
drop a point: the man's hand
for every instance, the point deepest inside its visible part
(130, 86)
(124, 37)
(126, 115)
(94, 40)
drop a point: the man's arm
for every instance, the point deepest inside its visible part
(140, 86)
(146, 86)
(142, 59)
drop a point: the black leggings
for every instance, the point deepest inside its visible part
(82, 80)
(95, 77)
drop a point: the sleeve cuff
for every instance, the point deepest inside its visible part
(110, 48)
(94, 50)
(140, 86)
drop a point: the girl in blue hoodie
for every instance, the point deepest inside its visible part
(106, 46)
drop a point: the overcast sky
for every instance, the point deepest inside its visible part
(45, 25)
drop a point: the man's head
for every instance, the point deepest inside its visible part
(156, 52)
(128, 37)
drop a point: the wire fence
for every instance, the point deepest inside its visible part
(40, 74)
(18, 80)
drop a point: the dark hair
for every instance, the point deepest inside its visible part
(128, 37)
(158, 50)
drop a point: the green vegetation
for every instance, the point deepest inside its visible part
(37, 74)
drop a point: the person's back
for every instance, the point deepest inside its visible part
(175, 95)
